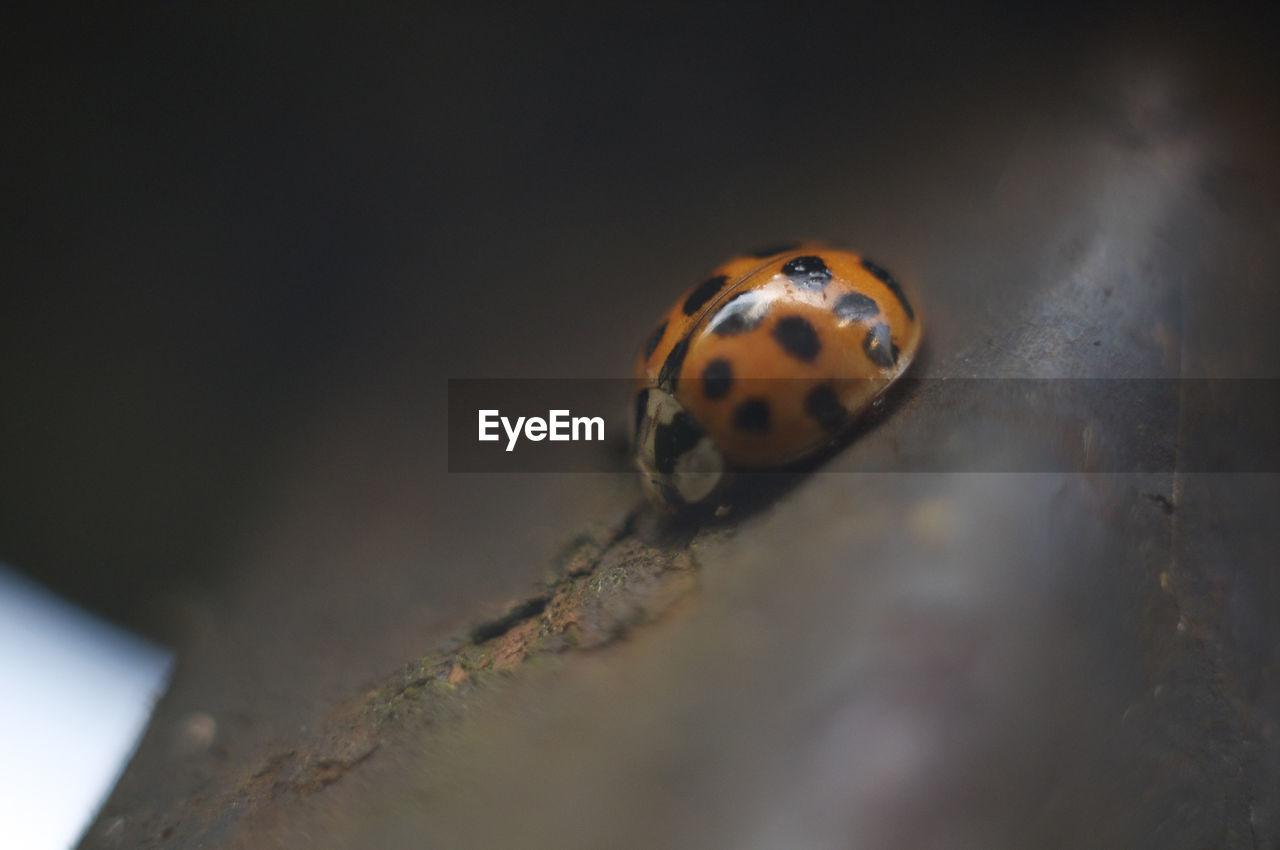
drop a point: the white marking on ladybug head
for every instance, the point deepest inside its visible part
(678, 462)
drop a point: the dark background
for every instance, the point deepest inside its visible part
(245, 246)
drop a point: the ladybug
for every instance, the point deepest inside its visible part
(769, 359)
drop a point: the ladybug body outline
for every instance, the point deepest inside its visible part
(768, 359)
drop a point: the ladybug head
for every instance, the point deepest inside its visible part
(679, 464)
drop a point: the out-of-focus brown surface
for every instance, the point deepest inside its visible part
(249, 249)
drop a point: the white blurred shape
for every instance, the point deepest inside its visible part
(75, 695)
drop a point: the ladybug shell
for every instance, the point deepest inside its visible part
(774, 354)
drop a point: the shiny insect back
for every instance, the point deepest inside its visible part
(767, 360)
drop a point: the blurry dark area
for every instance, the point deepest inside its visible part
(245, 247)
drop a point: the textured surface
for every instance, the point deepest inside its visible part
(254, 248)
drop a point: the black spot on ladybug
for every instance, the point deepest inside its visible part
(808, 272)
(797, 337)
(854, 306)
(642, 405)
(780, 248)
(887, 279)
(717, 377)
(752, 415)
(822, 404)
(741, 313)
(704, 292)
(671, 441)
(878, 345)
(651, 342)
(669, 374)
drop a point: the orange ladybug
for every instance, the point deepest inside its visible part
(767, 360)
